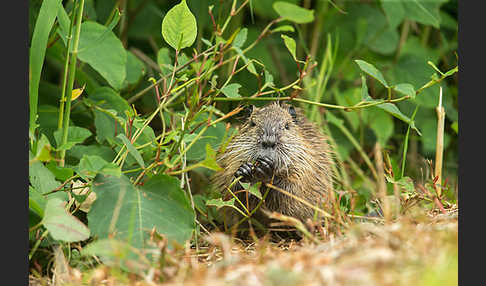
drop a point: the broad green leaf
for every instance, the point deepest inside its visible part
(78, 151)
(255, 190)
(231, 90)
(129, 213)
(62, 225)
(372, 71)
(393, 110)
(61, 173)
(164, 61)
(107, 98)
(240, 38)
(213, 136)
(381, 123)
(91, 165)
(116, 253)
(284, 28)
(406, 89)
(423, 11)
(134, 152)
(43, 153)
(76, 135)
(43, 181)
(37, 202)
(293, 13)
(110, 106)
(210, 161)
(37, 51)
(394, 11)
(135, 69)
(179, 27)
(290, 44)
(104, 53)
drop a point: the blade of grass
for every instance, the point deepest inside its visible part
(43, 26)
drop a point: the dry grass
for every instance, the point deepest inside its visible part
(417, 249)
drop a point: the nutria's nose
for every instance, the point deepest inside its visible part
(269, 141)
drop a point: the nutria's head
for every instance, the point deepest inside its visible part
(271, 131)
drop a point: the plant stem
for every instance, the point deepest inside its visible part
(72, 72)
(65, 75)
(439, 150)
(405, 144)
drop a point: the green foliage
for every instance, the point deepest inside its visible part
(164, 91)
(179, 26)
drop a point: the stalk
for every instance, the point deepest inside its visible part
(72, 72)
(439, 149)
(65, 75)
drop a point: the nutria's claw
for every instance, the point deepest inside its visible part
(264, 168)
(245, 171)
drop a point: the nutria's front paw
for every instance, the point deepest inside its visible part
(263, 169)
(246, 172)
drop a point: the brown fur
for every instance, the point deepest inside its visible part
(303, 161)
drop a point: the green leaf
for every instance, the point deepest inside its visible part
(268, 79)
(219, 203)
(423, 11)
(179, 27)
(240, 38)
(37, 52)
(455, 127)
(381, 123)
(284, 28)
(61, 173)
(116, 253)
(164, 61)
(372, 71)
(91, 165)
(43, 181)
(43, 153)
(76, 135)
(134, 152)
(364, 89)
(290, 44)
(405, 89)
(213, 136)
(103, 53)
(37, 202)
(255, 190)
(210, 161)
(293, 13)
(135, 69)
(62, 225)
(394, 11)
(393, 110)
(231, 90)
(129, 213)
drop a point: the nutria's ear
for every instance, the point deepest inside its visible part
(293, 113)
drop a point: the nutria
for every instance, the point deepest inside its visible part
(276, 144)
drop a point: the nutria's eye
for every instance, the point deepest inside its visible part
(287, 126)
